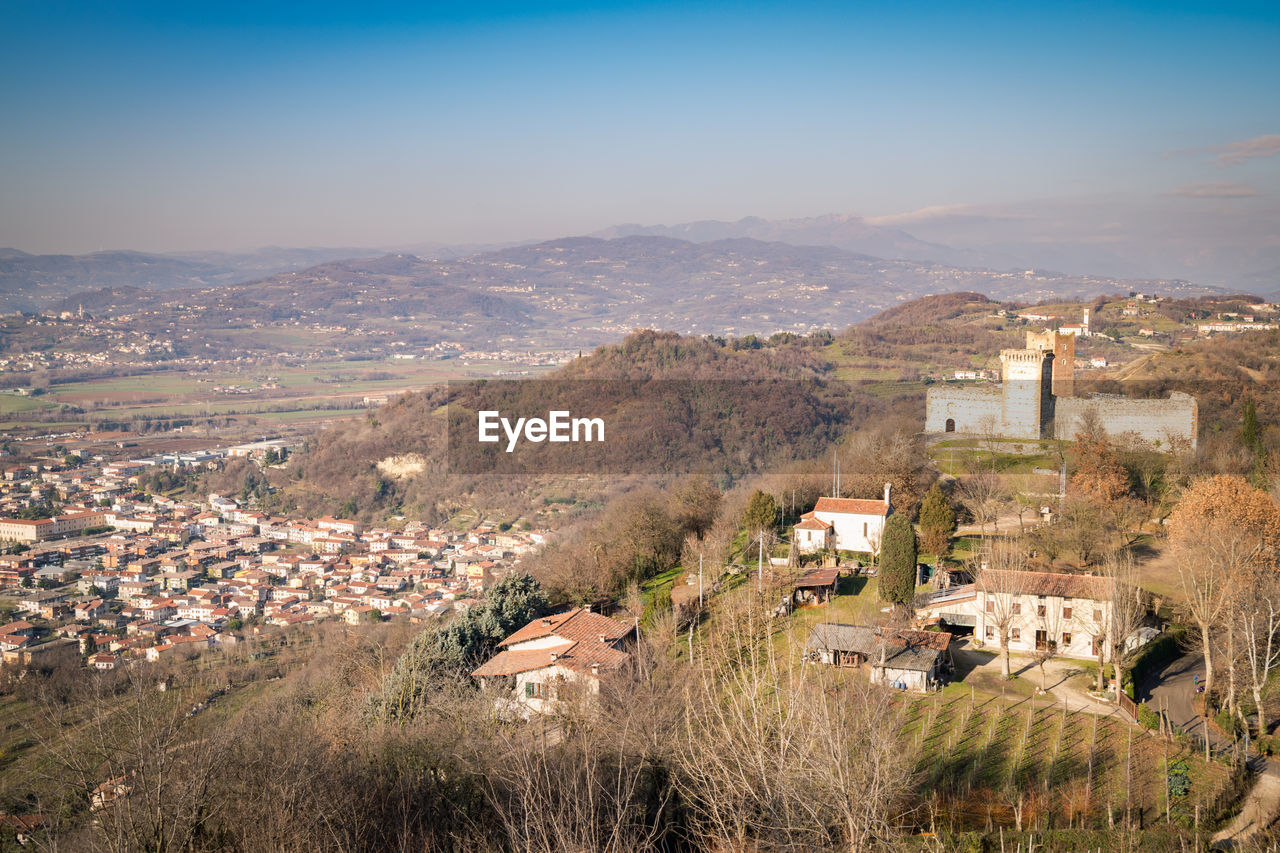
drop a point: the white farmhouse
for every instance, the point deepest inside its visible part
(1034, 609)
(846, 524)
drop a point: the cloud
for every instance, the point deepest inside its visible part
(1215, 189)
(1235, 153)
(936, 213)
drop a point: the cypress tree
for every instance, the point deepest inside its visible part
(937, 522)
(898, 560)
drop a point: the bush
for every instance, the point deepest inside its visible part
(1148, 718)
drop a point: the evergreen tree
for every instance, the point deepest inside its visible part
(761, 514)
(450, 651)
(937, 522)
(898, 560)
(1251, 431)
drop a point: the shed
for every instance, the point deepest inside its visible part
(816, 587)
(908, 660)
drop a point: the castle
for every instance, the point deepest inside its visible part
(1036, 400)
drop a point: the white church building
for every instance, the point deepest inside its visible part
(844, 524)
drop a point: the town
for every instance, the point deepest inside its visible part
(119, 575)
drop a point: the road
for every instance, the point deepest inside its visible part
(1173, 688)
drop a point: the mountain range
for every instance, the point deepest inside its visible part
(585, 291)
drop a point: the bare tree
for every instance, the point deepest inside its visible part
(774, 755)
(1257, 620)
(141, 762)
(1126, 610)
(980, 493)
(1207, 564)
(1001, 579)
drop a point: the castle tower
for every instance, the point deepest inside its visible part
(1085, 323)
(1027, 393)
(1063, 348)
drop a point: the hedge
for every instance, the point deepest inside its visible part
(1154, 656)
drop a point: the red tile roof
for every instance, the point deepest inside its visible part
(855, 506)
(573, 626)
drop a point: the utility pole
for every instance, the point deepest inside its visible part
(760, 565)
(699, 583)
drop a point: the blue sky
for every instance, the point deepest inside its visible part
(232, 125)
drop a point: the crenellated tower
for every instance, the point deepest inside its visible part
(1027, 392)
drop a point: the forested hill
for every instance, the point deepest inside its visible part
(675, 405)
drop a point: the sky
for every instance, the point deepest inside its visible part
(185, 126)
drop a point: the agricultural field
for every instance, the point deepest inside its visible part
(1027, 764)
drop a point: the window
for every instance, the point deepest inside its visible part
(1066, 638)
(991, 633)
(991, 607)
(1066, 612)
(1017, 609)
(1097, 614)
(864, 530)
(1015, 633)
(537, 690)
(1040, 610)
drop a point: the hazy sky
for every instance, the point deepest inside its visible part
(184, 125)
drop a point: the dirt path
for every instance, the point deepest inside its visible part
(1259, 810)
(1057, 675)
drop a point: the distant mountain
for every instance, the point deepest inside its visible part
(38, 282)
(584, 291)
(33, 281)
(842, 231)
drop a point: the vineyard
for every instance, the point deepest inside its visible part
(988, 762)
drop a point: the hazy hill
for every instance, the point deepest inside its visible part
(36, 282)
(33, 281)
(842, 231)
(584, 291)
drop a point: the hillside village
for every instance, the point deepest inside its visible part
(120, 576)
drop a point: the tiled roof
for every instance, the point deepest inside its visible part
(575, 625)
(1093, 587)
(511, 662)
(851, 506)
(813, 524)
(911, 650)
(580, 657)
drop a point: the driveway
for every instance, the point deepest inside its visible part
(1057, 674)
(1174, 689)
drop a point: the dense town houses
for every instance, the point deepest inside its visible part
(131, 577)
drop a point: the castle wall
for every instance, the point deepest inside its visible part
(1153, 420)
(973, 410)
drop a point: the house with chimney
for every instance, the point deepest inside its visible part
(844, 524)
(554, 657)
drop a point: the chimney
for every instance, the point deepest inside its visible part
(887, 488)
(595, 669)
(604, 641)
(554, 655)
(546, 623)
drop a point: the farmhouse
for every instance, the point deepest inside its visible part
(552, 656)
(847, 524)
(907, 660)
(1032, 610)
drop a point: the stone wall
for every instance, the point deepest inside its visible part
(1153, 420)
(971, 409)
